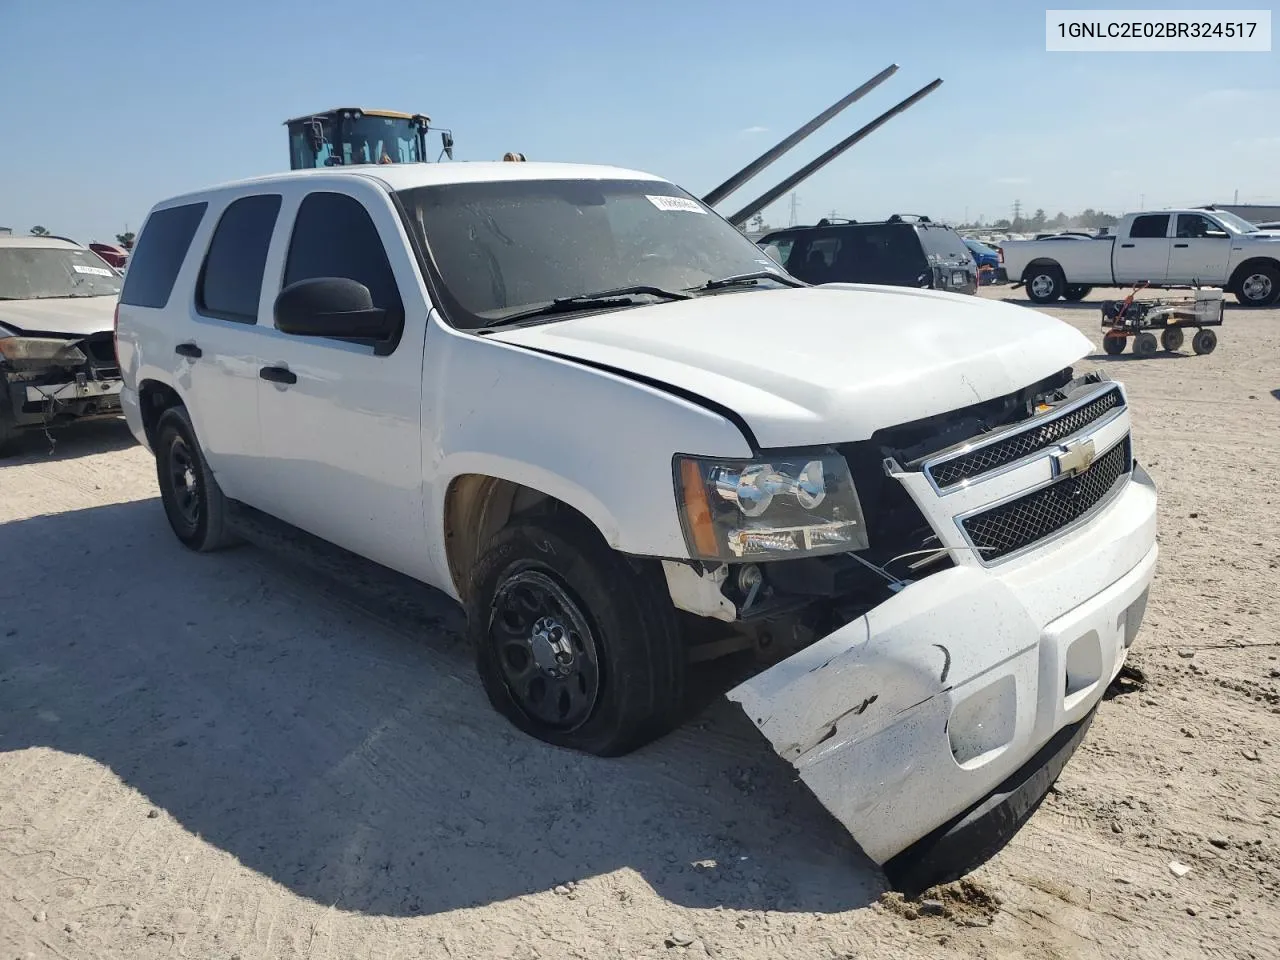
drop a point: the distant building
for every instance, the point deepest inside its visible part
(6, 231)
(1253, 212)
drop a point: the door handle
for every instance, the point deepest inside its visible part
(1126, 244)
(278, 375)
(1179, 244)
(188, 350)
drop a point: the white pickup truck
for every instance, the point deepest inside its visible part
(582, 404)
(1209, 248)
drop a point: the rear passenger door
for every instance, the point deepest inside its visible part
(1144, 254)
(341, 424)
(222, 349)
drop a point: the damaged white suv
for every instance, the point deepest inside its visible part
(584, 405)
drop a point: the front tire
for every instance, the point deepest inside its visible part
(575, 645)
(1204, 342)
(1045, 284)
(1114, 345)
(193, 501)
(1259, 286)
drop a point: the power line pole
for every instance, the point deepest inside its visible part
(795, 206)
(1017, 210)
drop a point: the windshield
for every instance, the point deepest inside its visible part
(505, 247)
(1235, 224)
(39, 273)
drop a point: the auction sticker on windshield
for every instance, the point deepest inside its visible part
(95, 271)
(675, 203)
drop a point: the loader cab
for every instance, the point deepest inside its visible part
(352, 135)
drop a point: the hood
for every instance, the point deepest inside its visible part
(825, 364)
(59, 316)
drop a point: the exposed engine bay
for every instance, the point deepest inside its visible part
(782, 606)
(48, 379)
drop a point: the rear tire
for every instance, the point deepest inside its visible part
(575, 644)
(193, 501)
(1045, 284)
(1171, 339)
(1145, 345)
(1204, 342)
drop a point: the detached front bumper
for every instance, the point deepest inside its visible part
(910, 716)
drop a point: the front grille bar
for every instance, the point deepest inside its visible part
(1010, 527)
(1024, 441)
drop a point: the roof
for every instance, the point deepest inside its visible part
(404, 176)
(41, 243)
(368, 112)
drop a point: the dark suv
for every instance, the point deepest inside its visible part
(903, 251)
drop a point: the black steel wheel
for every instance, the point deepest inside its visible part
(1171, 339)
(192, 499)
(1205, 341)
(575, 644)
(546, 649)
(1114, 345)
(1144, 344)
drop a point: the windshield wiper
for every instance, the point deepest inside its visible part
(585, 301)
(740, 278)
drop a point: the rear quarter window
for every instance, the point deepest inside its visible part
(157, 257)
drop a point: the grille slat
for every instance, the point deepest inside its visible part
(1019, 523)
(973, 464)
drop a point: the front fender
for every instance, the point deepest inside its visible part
(597, 440)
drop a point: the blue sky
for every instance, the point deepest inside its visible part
(111, 107)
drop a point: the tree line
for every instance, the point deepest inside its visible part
(124, 239)
(1088, 217)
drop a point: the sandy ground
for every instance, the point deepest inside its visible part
(238, 756)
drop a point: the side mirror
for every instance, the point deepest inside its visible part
(446, 140)
(331, 307)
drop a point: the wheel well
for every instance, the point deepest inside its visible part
(1041, 263)
(477, 507)
(1248, 265)
(154, 398)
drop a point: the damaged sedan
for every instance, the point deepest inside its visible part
(585, 406)
(57, 352)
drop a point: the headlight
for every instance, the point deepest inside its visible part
(769, 509)
(41, 350)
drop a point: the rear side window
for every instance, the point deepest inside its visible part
(231, 279)
(1150, 227)
(882, 253)
(334, 236)
(161, 248)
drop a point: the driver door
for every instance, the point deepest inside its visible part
(1201, 250)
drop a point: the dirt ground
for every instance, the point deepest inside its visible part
(239, 756)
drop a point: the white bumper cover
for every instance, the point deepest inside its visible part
(908, 716)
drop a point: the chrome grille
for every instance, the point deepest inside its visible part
(1016, 524)
(974, 463)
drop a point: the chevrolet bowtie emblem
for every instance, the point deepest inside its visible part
(1075, 458)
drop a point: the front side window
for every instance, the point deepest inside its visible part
(43, 273)
(501, 248)
(1195, 226)
(334, 236)
(230, 283)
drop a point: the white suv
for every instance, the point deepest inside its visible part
(584, 405)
